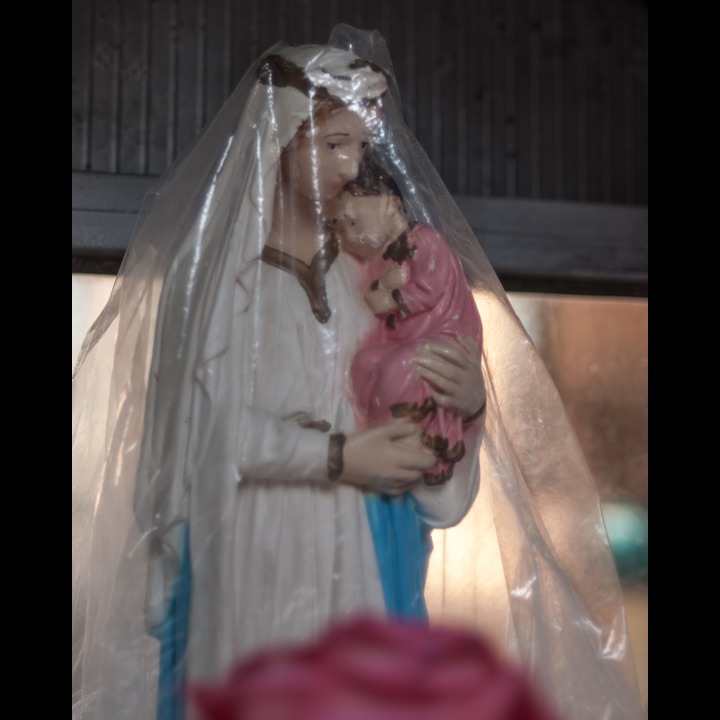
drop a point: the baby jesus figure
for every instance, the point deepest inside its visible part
(417, 288)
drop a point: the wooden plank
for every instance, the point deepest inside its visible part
(271, 25)
(244, 18)
(482, 68)
(459, 149)
(626, 148)
(296, 13)
(607, 43)
(583, 220)
(216, 80)
(413, 58)
(101, 233)
(162, 77)
(382, 23)
(585, 94)
(81, 83)
(190, 38)
(95, 265)
(334, 15)
(511, 106)
(527, 91)
(498, 20)
(105, 88)
(396, 42)
(453, 97)
(532, 244)
(554, 175)
(254, 21)
(432, 41)
(535, 238)
(617, 27)
(547, 156)
(109, 192)
(133, 105)
(571, 111)
(640, 93)
(428, 82)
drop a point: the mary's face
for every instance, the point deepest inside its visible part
(318, 164)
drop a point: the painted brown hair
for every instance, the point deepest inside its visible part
(373, 180)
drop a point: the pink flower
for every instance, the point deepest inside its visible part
(375, 669)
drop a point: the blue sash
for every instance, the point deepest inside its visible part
(173, 636)
(402, 547)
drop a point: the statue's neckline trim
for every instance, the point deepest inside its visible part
(311, 277)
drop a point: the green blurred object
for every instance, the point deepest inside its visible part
(627, 529)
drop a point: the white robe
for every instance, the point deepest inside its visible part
(301, 551)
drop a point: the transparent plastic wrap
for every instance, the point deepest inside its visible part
(231, 490)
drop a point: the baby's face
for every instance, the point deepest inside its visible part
(364, 225)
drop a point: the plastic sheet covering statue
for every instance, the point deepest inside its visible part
(224, 496)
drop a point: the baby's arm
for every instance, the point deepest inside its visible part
(430, 273)
(417, 285)
(380, 297)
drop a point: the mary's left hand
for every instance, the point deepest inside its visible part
(453, 371)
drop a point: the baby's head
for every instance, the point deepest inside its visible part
(369, 212)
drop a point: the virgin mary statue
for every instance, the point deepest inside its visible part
(225, 498)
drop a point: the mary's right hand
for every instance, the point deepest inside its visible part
(389, 458)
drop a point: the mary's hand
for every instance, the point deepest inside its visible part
(389, 458)
(453, 371)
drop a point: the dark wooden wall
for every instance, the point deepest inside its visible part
(541, 99)
(534, 100)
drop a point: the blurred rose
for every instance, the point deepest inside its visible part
(375, 669)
